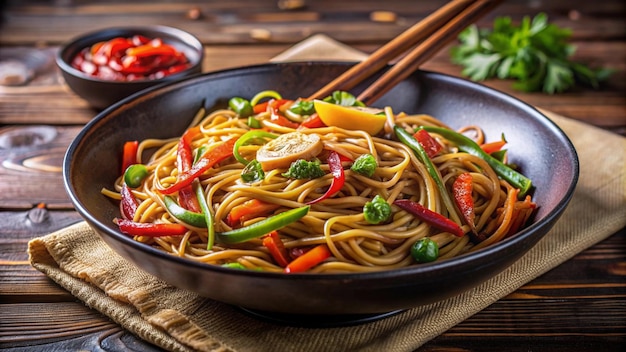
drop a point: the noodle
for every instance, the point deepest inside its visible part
(338, 221)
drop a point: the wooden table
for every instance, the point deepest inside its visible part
(580, 305)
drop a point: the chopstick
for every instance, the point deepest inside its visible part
(436, 31)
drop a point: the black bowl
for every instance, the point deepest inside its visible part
(101, 93)
(537, 145)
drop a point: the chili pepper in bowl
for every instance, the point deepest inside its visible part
(130, 58)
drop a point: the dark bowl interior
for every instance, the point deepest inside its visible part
(102, 93)
(537, 145)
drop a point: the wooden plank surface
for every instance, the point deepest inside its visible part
(578, 306)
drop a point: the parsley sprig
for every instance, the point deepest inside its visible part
(535, 54)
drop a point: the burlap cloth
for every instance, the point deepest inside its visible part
(178, 320)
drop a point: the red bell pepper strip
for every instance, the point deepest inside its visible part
(129, 154)
(132, 228)
(207, 161)
(184, 154)
(128, 204)
(313, 121)
(339, 178)
(433, 218)
(309, 259)
(272, 107)
(248, 210)
(184, 157)
(260, 107)
(462, 193)
(430, 145)
(276, 247)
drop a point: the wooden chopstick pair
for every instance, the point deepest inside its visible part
(432, 33)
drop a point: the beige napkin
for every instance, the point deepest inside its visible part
(178, 320)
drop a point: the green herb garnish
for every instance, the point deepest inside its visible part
(536, 54)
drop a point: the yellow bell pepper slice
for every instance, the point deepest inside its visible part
(350, 117)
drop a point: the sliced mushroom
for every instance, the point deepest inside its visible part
(287, 148)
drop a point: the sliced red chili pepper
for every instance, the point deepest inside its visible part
(184, 157)
(313, 121)
(248, 210)
(118, 46)
(339, 178)
(129, 154)
(309, 259)
(462, 193)
(114, 47)
(276, 247)
(433, 218)
(130, 59)
(430, 145)
(128, 204)
(207, 161)
(150, 229)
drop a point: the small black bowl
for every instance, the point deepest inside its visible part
(100, 93)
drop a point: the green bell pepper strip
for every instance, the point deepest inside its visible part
(241, 106)
(262, 227)
(247, 137)
(182, 214)
(208, 217)
(467, 145)
(407, 139)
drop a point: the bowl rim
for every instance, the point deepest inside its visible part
(425, 269)
(183, 37)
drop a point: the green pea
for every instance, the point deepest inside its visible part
(134, 175)
(425, 250)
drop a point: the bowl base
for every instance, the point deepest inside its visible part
(317, 321)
